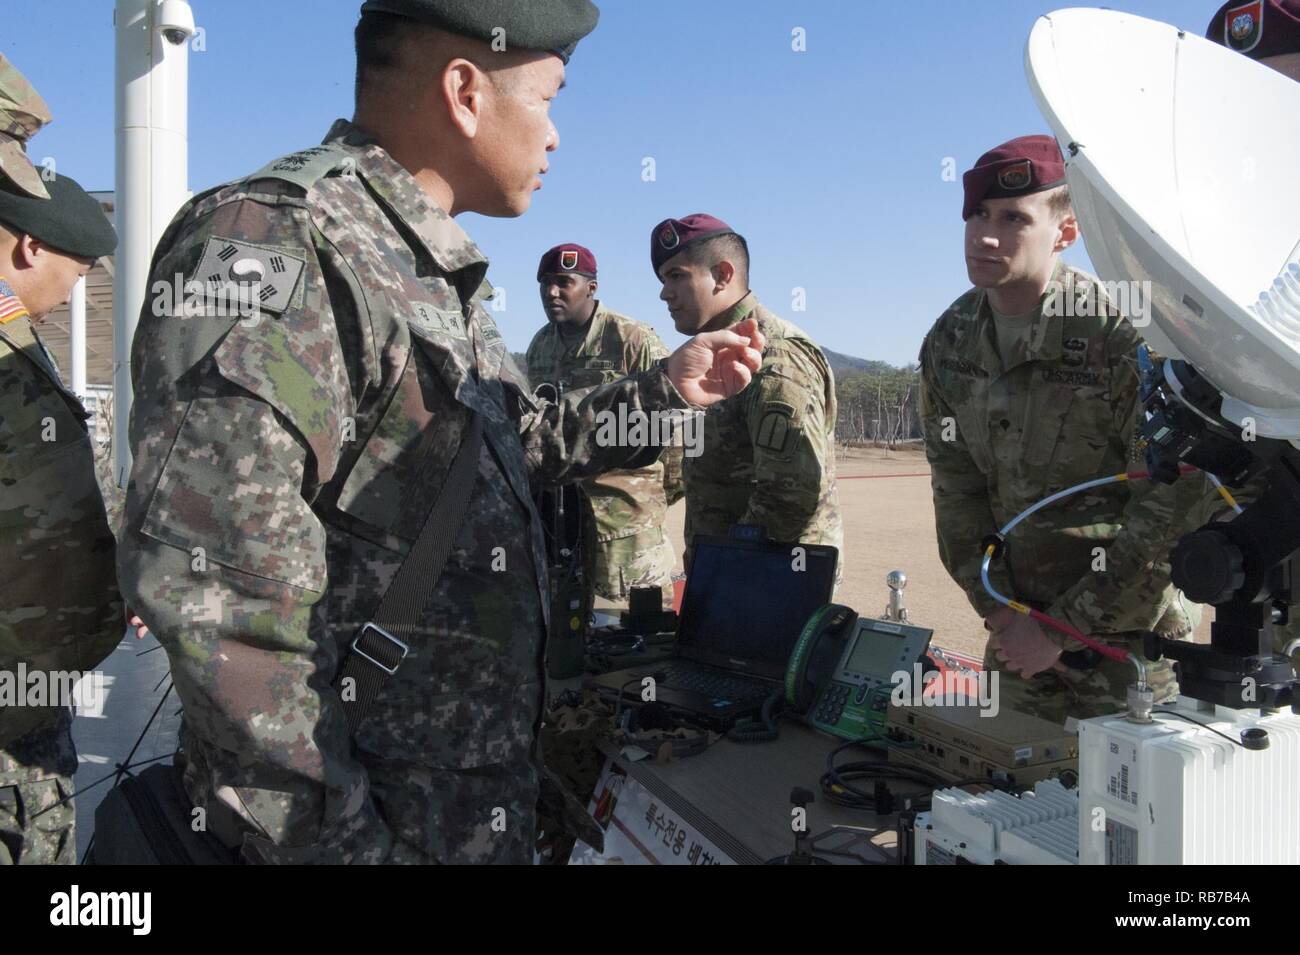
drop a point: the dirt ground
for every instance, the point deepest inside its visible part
(889, 525)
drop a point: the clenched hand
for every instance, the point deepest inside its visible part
(716, 365)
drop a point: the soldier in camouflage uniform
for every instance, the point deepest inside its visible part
(768, 455)
(585, 344)
(284, 461)
(61, 614)
(1029, 386)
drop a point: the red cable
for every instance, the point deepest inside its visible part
(1111, 653)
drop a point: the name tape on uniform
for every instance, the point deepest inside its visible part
(438, 320)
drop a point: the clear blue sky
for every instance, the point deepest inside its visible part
(829, 161)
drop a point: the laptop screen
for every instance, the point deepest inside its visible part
(746, 603)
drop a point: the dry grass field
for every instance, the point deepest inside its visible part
(889, 525)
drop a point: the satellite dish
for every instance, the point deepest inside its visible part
(1183, 160)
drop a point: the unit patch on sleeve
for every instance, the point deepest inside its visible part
(774, 430)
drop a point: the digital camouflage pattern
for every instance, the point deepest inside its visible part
(22, 114)
(1000, 438)
(282, 468)
(37, 825)
(769, 452)
(60, 609)
(627, 508)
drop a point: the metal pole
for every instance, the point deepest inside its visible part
(152, 126)
(77, 338)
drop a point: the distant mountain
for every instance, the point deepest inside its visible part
(841, 365)
(847, 364)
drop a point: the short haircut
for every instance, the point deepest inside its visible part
(721, 248)
(1058, 202)
(379, 41)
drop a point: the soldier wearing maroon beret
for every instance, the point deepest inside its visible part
(768, 453)
(1264, 30)
(585, 343)
(1028, 387)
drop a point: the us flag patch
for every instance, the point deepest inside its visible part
(11, 306)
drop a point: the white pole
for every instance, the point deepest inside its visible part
(152, 164)
(77, 337)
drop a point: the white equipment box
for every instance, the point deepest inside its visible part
(1037, 828)
(1175, 792)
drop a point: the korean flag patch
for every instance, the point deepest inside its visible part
(249, 275)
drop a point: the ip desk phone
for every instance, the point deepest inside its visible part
(842, 670)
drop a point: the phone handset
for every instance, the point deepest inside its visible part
(815, 655)
(811, 664)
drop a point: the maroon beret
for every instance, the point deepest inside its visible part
(673, 236)
(1016, 168)
(1258, 28)
(567, 257)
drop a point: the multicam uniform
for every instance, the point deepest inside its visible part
(283, 467)
(1002, 435)
(627, 508)
(22, 115)
(61, 612)
(768, 453)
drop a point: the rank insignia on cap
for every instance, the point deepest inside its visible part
(668, 237)
(569, 259)
(1243, 26)
(1016, 176)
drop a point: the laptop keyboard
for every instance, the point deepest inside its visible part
(714, 684)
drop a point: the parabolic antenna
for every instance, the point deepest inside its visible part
(1183, 159)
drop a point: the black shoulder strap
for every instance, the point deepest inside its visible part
(378, 648)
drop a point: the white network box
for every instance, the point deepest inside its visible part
(1173, 793)
(1037, 828)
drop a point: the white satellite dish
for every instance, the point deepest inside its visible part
(1183, 159)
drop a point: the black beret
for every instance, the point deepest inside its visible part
(554, 26)
(70, 220)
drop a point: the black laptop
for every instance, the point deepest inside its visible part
(745, 604)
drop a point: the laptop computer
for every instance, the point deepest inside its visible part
(745, 604)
